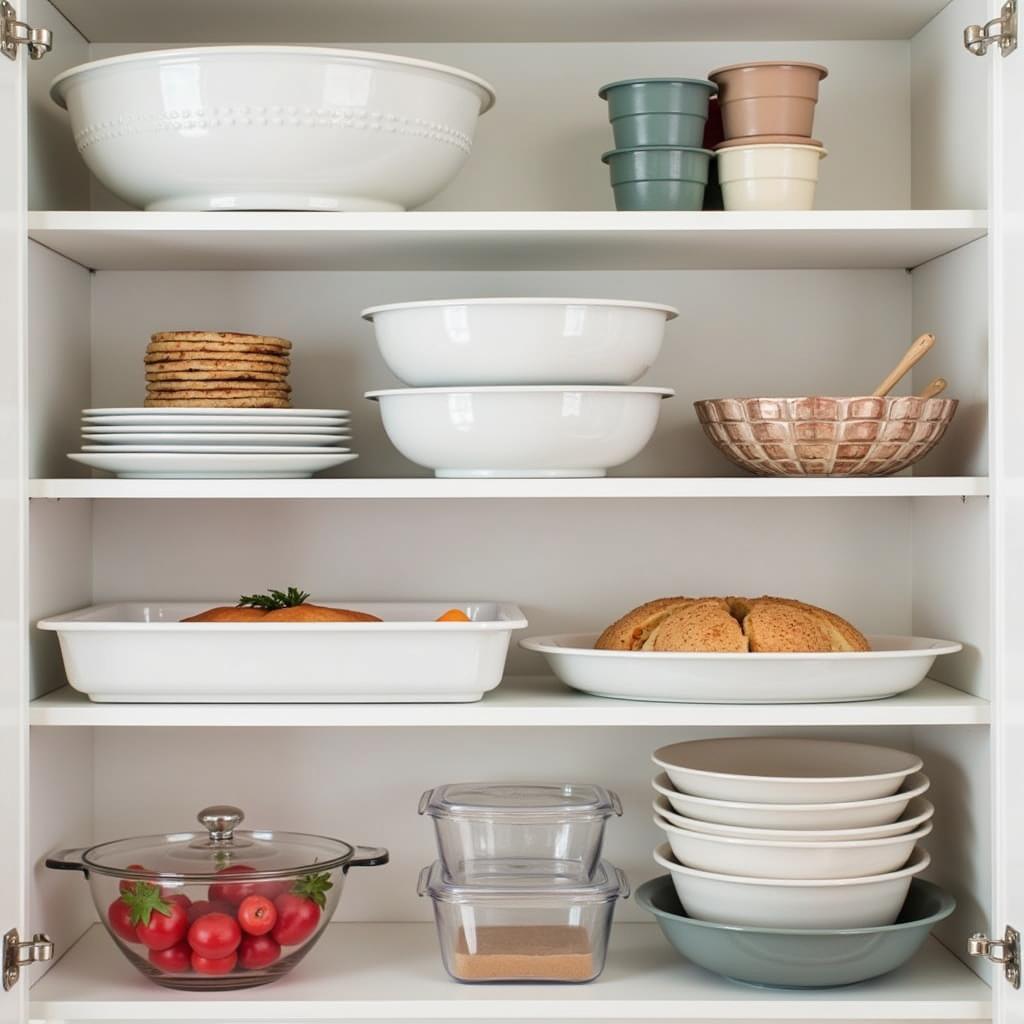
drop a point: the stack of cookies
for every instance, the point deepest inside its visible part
(218, 369)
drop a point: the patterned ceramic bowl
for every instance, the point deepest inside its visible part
(858, 436)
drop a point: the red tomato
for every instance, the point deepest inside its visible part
(297, 918)
(177, 897)
(257, 951)
(214, 936)
(202, 907)
(127, 886)
(119, 915)
(175, 960)
(164, 930)
(234, 891)
(257, 915)
(214, 965)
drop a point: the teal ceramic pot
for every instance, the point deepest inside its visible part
(658, 111)
(792, 957)
(658, 177)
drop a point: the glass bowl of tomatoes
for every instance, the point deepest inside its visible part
(220, 909)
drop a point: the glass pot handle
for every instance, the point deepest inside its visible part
(624, 889)
(616, 802)
(425, 801)
(367, 857)
(67, 860)
(421, 885)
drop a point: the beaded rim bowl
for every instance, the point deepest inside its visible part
(825, 436)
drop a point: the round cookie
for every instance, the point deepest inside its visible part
(202, 359)
(213, 385)
(277, 378)
(171, 396)
(218, 338)
(218, 403)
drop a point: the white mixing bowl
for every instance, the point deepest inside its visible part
(867, 902)
(448, 342)
(272, 127)
(520, 431)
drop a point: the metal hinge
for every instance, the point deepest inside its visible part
(1005, 951)
(18, 954)
(1001, 30)
(14, 33)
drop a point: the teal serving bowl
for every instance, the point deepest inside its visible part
(659, 177)
(658, 111)
(796, 957)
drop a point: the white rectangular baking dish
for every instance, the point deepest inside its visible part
(893, 665)
(142, 652)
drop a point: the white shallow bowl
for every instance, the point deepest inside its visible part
(208, 466)
(785, 770)
(894, 665)
(792, 903)
(854, 814)
(769, 177)
(272, 127)
(138, 652)
(918, 811)
(450, 342)
(520, 431)
(763, 858)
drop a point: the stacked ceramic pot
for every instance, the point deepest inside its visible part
(519, 889)
(520, 387)
(658, 162)
(790, 861)
(768, 160)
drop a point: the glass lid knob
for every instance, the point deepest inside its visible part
(220, 821)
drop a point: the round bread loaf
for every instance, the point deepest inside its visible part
(630, 632)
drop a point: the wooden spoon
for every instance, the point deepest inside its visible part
(912, 356)
(934, 389)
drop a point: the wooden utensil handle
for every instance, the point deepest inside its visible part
(913, 355)
(934, 389)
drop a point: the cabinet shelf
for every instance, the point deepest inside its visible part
(523, 701)
(506, 240)
(393, 972)
(606, 487)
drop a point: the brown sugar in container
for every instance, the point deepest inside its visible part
(768, 97)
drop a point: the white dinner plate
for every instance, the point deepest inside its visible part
(194, 410)
(217, 438)
(893, 665)
(200, 466)
(209, 428)
(220, 422)
(217, 449)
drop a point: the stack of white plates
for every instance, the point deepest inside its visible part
(214, 443)
(780, 832)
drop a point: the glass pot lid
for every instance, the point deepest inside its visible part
(201, 856)
(509, 801)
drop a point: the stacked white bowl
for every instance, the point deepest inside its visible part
(520, 387)
(777, 832)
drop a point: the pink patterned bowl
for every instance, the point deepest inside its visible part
(858, 436)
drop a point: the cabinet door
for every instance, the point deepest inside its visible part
(1006, 235)
(13, 514)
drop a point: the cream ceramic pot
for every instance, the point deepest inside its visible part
(769, 177)
(272, 127)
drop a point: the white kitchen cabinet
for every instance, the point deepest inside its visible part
(918, 228)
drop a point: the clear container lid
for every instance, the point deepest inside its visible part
(199, 856)
(607, 883)
(519, 802)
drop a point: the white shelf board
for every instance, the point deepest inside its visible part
(393, 972)
(605, 487)
(356, 21)
(505, 240)
(523, 701)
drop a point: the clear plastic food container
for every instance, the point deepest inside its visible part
(487, 830)
(521, 928)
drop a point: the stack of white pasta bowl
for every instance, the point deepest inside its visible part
(791, 833)
(520, 387)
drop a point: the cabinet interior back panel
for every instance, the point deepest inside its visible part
(739, 333)
(540, 147)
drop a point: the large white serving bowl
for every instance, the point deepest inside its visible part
(853, 814)
(766, 858)
(918, 811)
(448, 342)
(785, 770)
(272, 127)
(520, 431)
(866, 902)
